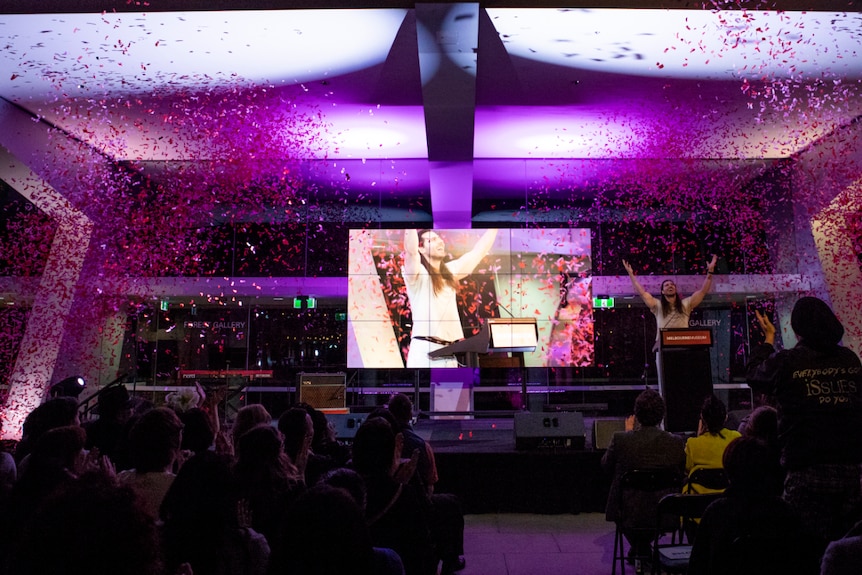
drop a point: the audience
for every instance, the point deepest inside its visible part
(55, 412)
(644, 447)
(200, 522)
(817, 389)
(447, 518)
(844, 556)
(707, 449)
(89, 527)
(108, 432)
(751, 529)
(325, 442)
(247, 417)
(154, 448)
(297, 430)
(268, 482)
(56, 460)
(322, 515)
(198, 433)
(397, 511)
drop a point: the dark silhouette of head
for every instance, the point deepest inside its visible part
(714, 414)
(89, 527)
(324, 533)
(763, 425)
(753, 468)
(56, 412)
(198, 435)
(815, 324)
(155, 440)
(649, 408)
(401, 409)
(294, 424)
(374, 447)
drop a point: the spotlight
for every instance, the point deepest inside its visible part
(69, 387)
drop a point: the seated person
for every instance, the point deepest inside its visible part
(644, 447)
(752, 507)
(707, 449)
(397, 511)
(155, 447)
(844, 556)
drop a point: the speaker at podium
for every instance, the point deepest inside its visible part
(560, 429)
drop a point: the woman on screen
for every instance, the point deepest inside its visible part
(432, 284)
(571, 342)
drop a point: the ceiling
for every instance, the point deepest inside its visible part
(450, 109)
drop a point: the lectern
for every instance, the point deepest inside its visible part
(685, 375)
(517, 334)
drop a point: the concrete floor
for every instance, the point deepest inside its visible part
(528, 544)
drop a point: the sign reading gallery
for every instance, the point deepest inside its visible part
(215, 325)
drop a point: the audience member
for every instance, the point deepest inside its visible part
(56, 412)
(397, 511)
(108, 433)
(8, 473)
(844, 556)
(198, 434)
(297, 429)
(320, 516)
(325, 442)
(762, 425)
(644, 447)
(268, 482)
(817, 387)
(90, 527)
(707, 449)
(201, 526)
(751, 510)
(154, 447)
(247, 416)
(447, 517)
(56, 460)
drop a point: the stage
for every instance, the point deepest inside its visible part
(477, 460)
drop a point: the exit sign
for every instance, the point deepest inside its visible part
(603, 302)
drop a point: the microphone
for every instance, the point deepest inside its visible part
(505, 309)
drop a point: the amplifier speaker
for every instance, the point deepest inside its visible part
(322, 390)
(562, 429)
(604, 429)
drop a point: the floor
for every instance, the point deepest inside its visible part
(527, 544)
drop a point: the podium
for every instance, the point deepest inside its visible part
(517, 334)
(685, 375)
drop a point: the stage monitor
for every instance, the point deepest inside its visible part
(513, 334)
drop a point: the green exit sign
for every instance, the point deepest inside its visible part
(603, 302)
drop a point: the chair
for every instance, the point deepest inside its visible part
(711, 478)
(677, 511)
(640, 492)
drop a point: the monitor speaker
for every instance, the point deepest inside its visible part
(322, 390)
(561, 429)
(604, 429)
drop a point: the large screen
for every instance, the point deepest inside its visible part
(413, 291)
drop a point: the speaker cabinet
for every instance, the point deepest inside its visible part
(322, 390)
(604, 429)
(562, 429)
